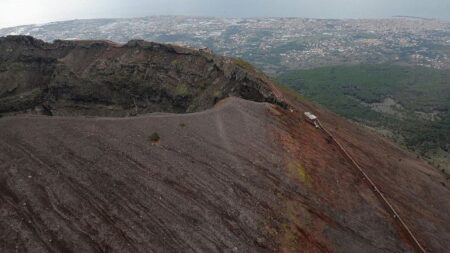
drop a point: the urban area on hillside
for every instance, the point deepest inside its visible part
(274, 44)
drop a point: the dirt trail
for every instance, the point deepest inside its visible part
(233, 178)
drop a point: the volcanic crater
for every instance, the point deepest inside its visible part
(234, 168)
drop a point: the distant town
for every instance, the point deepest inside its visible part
(274, 44)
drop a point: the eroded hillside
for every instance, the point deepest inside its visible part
(232, 176)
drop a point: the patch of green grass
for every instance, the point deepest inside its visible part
(181, 90)
(300, 172)
(154, 137)
(217, 94)
(244, 64)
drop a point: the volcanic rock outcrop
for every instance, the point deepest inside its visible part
(105, 79)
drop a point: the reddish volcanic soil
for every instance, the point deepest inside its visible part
(241, 177)
(419, 192)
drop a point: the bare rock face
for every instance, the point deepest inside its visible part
(105, 79)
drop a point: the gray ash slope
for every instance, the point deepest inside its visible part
(100, 185)
(232, 175)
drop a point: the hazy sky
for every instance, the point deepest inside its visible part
(18, 12)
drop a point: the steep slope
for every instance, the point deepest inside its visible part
(241, 176)
(419, 192)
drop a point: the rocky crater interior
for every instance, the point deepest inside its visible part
(100, 78)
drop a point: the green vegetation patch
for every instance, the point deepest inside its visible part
(413, 103)
(244, 64)
(154, 137)
(299, 171)
(182, 90)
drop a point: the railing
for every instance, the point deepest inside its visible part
(377, 191)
